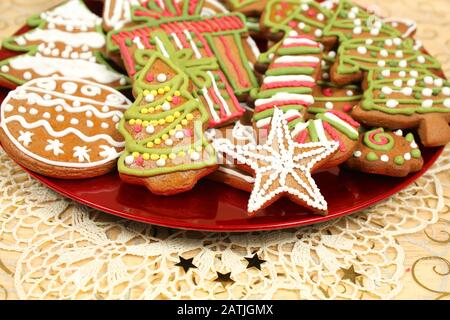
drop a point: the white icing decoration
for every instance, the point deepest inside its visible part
(25, 137)
(74, 39)
(384, 158)
(82, 153)
(129, 160)
(427, 92)
(54, 146)
(407, 156)
(301, 59)
(391, 103)
(161, 162)
(399, 133)
(427, 103)
(357, 154)
(150, 129)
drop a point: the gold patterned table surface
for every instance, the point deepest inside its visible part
(427, 252)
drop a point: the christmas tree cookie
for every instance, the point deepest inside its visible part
(350, 21)
(251, 8)
(165, 147)
(386, 153)
(304, 17)
(66, 41)
(357, 56)
(407, 98)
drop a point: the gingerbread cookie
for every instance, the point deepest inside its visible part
(63, 127)
(165, 149)
(386, 153)
(251, 8)
(224, 36)
(357, 56)
(407, 98)
(281, 167)
(118, 13)
(66, 41)
(228, 172)
(305, 18)
(350, 21)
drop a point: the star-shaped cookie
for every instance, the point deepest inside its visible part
(281, 166)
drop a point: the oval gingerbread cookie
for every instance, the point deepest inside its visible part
(63, 127)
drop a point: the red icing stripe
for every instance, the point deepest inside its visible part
(275, 85)
(302, 36)
(301, 137)
(292, 118)
(345, 117)
(334, 135)
(236, 68)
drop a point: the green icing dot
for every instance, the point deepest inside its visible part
(199, 44)
(342, 14)
(307, 29)
(225, 96)
(417, 95)
(409, 137)
(415, 153)
(373, 54)
(382, 96)
(399, 160)
(277, 18)
(436, 91)
(216, 77)
(278, 7)
(371, 156)
(200, 92)
(128, 42)
(221, 85)
(392, 63)
(349, 35)
(216, 107)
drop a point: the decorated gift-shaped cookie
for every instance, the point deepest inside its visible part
(63, 127)
(223, 36)
(407, 98)
(66, 41)
(165, 149)
(118, 13)
(281, 167)
(386, 153)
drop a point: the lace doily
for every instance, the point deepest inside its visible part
(68, 251)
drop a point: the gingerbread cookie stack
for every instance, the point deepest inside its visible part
(336, 85)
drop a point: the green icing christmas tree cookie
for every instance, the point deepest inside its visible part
(407, 98)
(165, 147)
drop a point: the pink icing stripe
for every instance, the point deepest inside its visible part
(383, 140)
(345, 117)
(302, 36)
(280, 103)
(301, 137)
(334, 135)
(293, 64)
(275, 85)
(295, 45)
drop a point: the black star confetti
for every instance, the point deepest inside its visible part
(224, 278)
(350, 274)
(186, 264)
(254, 261)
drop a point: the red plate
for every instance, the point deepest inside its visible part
(213, 206)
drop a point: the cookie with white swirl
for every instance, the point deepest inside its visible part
(387, 153)
(62, 127)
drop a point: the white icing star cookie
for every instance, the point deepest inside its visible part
(281, 166)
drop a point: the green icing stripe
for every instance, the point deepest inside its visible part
(312, 131)
(293, 123)
(298, 51)
(288, 71)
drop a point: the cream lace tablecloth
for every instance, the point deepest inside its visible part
(50, 247)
